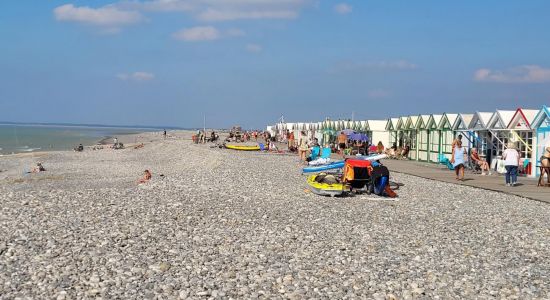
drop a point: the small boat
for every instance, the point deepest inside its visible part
(319, 168)
(371, 157)
(243, 147)
(318, 184)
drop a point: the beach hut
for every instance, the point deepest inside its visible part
(411, 134)
(541, 125)
(479, 134)
(523, 134)
(379, 132)
(461, 127)
(391, 128)
(364, 128)
(434, 137)
(422, 136)
(446, 134)
(499, 134)
(401, 132)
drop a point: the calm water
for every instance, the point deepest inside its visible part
(23, 138)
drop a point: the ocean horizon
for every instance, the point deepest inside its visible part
(21, 137)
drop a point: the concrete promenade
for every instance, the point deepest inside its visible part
(527, 187)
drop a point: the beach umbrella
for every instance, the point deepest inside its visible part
(348, 132)
(359, 137)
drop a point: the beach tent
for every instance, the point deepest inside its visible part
(422, 136)
(410, 132)
(523, 134)
(479, 133)
(499, 133)
(434, 137)
(379, 132)
(446, 133)
(541, 124)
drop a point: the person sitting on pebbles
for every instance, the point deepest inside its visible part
(38, 168)
(146, 177)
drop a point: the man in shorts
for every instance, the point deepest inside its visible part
(342, 141)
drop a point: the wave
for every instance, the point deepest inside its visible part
(28, 149)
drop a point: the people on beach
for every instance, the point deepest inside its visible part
(79, 148)
(458, 160)
(476, 159)
(146, 177)
(455, 141)
(290, 140)
(342, 142)
(38, 168)
(380, 148)
(303, 146)
(511, 162)
(164, 134)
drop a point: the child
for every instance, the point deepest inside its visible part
(458, 160)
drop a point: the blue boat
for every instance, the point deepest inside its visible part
(330, 166)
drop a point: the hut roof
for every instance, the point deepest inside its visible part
(377, 125)
(480, 120)
(462, 121)
(500, 119)
(542, 119)
(523, 118)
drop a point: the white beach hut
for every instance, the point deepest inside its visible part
(447, 135)
(499, 133)
(379, 132)
(411, 133)
(461, 127)
(541, 124)
(523, 134)
(479, 134)
(391, 128)
(422, 136)
(434, 137)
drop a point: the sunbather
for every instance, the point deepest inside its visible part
(146, 177)
(38, 168)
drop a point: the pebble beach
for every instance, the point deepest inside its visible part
(224, 224)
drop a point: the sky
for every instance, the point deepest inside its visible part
(249, 62)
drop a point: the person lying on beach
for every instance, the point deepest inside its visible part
(146, 177)
(139, 146)
(38, 168)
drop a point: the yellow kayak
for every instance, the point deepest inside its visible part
(318, 184)
(243, 147)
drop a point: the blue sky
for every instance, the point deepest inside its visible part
(169, 62)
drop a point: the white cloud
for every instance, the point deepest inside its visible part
(230, 15)
(343, 8)
(223, 10)
(199, 33)
(108, 16)
(520, 74)
(254, 48)
(136, 76)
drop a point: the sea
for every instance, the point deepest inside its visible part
(20, 138)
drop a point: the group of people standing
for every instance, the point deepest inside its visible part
(460, 155)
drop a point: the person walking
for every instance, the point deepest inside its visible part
(457, 160)
(342, 143)
(511, 163)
